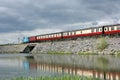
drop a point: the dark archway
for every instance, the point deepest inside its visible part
(29, 48)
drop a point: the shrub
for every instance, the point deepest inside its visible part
(101, 44)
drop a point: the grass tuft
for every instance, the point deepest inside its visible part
(58, 52)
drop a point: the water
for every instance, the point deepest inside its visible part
(28, 65)
(19, 65)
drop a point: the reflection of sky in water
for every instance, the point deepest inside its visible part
(10, 66)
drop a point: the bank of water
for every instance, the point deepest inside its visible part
(52, 65)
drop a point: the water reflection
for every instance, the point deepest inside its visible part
(103, 67)
(19, 65)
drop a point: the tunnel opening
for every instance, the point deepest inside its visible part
(28, 49)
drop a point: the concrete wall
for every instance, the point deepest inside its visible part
(12, 48)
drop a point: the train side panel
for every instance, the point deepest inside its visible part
(48, 37)
(96, 31)
(112, 29)
(108, 29)
(89, 32)
(32, 39)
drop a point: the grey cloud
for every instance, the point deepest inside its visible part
(22, 15)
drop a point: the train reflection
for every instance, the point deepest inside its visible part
(63, 69)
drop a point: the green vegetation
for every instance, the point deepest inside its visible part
(101, 44)
(58, 52)
(102, 63)
(117, 53)
(85, 53)
(9, 44)
(57, 78)
(63, 52)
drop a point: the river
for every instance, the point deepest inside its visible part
(33, 65)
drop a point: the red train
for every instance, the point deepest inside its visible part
(93, 31)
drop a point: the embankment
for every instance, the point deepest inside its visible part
(12, 48)
(81, 45)
(85, 45)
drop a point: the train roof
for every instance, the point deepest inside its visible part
(80, 29)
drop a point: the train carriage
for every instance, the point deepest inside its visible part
(47, 37)
(93, 31)
(88, 32)
(112, 29)
(69, 34)
(32, 39)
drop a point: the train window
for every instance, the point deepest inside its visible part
(43, 36)
(118, 27)
(69, 33)
(49, 36)
(100, 29)
(59, 34)
(54, 35)
(112, 28)
(65, 34)
(81, 32)
(73, 33)
(108, 28)
(105, 29)
(95, 30)
(46, 36)
(92, 30)
(78, 32)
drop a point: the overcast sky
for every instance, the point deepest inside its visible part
(19, 18)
